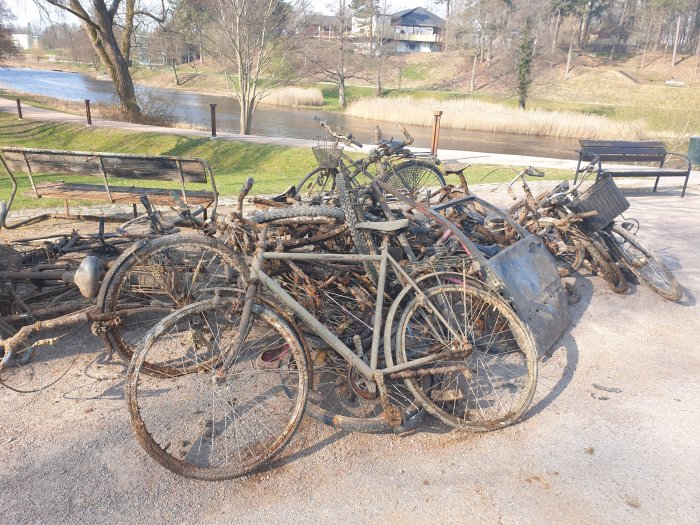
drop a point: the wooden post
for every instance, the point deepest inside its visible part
(213, 120)
(377, 135)
(436, 132)
(87, 112)
(19, 110)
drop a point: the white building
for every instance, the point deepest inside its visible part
(25, 41)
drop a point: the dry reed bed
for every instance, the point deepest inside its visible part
(475, 115)
(293, 97)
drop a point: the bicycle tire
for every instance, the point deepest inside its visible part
(205, 427)
(415, 175)
(498, 365)
(290, 212)
(162, 274)
(361, 239)
(602, 264)
(642, 263)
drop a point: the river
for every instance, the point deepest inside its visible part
(280, 122)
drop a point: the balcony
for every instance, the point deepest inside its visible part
(416, 37)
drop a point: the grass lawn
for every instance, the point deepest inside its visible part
(274, 168)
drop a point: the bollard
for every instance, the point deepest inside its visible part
(87, 112)
(213, 120)
(19, 110)
(436, 133)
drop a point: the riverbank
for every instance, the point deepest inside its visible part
(620, 91)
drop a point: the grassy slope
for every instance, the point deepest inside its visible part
(274, 168)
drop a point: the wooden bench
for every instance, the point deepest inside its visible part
(109, 167)
(631, 152)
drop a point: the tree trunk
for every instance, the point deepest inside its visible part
(675, 40)
(658, 34)
(473, 77)
(341, 92)
(555, 36)
(105, 43)
(569, 55)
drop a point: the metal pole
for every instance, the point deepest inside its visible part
(19, 110)
(87, 112)
(436, 132)
(213, 120)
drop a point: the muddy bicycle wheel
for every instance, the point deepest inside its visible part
(202, 422)
(158, 278)
(415, 176)
(488, 376)
(602, 264)
(642, 263)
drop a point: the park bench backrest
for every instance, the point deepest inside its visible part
(105, 165)
(623, 151)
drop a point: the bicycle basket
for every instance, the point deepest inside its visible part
(327, 155)
(605, 198)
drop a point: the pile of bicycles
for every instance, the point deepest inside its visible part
(368, 295)
(581, 229)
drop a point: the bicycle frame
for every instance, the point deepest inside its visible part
(384, 259)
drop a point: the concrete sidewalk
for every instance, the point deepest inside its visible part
(473, 157)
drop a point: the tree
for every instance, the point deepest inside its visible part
(110, 29)
(525, 59)
(252, 40)
(336, 58)
(7, 47)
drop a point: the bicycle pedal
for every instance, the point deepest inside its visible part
(392, 415)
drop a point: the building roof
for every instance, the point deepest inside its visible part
(417, 16)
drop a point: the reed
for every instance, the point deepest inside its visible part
(293, 97)
(475, 115)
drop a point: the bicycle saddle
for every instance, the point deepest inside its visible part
(384, 226)
(455, 167)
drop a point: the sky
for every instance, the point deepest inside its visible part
(27, 11)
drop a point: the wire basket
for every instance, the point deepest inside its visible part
(605, 198)
(327, 155)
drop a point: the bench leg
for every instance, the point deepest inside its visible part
(133, 206)
(685, 185)
(656, 183)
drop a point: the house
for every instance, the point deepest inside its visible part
(25, 41)
(321, 26)
(416, 30)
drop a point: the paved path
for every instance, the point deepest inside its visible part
(611, 436)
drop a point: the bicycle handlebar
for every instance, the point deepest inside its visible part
(346, 139)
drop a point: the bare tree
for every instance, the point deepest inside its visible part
(110, 28)
(7, 47)
(336, 59)
(252, 41)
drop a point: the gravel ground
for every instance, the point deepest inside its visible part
(610, 437)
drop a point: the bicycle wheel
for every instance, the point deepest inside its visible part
(205, 427)
(601, 263)
(489, 379)
(642, 263)
(360, 238)
(317, 182)
(415, 176)
(163, 275)
(568, 251)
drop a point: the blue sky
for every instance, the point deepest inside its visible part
(27, 11)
